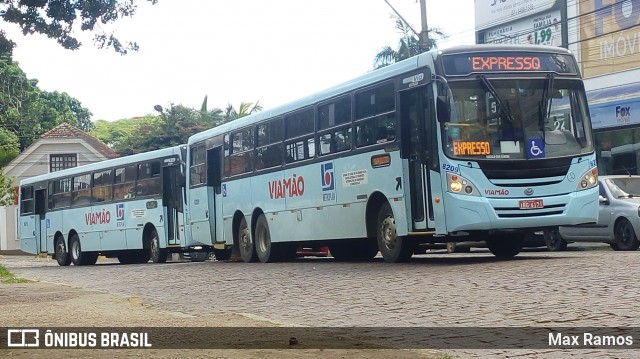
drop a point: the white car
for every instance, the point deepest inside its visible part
(618, 218)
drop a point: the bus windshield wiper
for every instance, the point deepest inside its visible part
(545, 104)
(501, 105)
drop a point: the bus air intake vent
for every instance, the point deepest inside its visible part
(540, 170)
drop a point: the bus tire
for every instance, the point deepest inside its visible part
(157, 254)
(62, 255)
(625, 236)
(505, 246)
(80, 258)
(245, 243)
(264, 248)
(554, 241)
(394, 248)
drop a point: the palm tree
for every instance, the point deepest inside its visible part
(408, 46)
(245, 109)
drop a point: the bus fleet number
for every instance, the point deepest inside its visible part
(450, 168)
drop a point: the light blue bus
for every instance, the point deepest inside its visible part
(129, 207)
(482, 142)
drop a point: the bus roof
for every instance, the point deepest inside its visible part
(119, 161)
(381, 74)
(387, 72)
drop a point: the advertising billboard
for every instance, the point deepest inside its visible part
(541, 29)
(609, 36)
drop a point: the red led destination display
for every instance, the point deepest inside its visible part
(480, 62)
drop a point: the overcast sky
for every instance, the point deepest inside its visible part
(273, 51)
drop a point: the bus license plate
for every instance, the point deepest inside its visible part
(531, 204)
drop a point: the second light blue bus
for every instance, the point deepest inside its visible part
(483, 142)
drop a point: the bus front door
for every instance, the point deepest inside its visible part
(417, 113)
(174, 203)
(41, 221)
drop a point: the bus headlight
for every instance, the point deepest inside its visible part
(588, 180)
(460, 185)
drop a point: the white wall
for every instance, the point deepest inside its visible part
(8, 233)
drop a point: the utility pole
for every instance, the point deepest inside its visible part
(423, 36)
(425, 44)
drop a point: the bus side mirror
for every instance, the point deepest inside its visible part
(442, 109)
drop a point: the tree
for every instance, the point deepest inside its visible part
(58, 19)
(408, 45)
(7, 193)
(9, 146)
(245, 109)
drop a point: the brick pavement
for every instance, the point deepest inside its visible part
(541, 289)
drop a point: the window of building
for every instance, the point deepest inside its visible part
(59, 162)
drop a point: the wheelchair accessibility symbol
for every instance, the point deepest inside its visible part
(535, 147)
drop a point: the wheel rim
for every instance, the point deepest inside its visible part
(388, 232)
(75, 248)
(261, 238)
(624, 235)
(60, 249)
(155, 248)
(245, 241)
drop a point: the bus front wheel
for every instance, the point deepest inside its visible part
(158, 255)
(245, 243)
(62, 256)
(393, 248)
(505, 246)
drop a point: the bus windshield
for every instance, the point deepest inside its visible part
(524, 118)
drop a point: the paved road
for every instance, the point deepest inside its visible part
(595, 288)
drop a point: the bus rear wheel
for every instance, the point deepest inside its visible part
(62, 256)
(245, 243)
(265, 250)
(78, 257)
(505, 246)
(157, 254)
(393, 248)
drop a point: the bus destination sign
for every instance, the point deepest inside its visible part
(509, 61)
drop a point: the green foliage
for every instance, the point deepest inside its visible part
(8, 277)
(245, 109)
(172, 127)
(408, 45)
(58, 18)
(28, 112)
(7, 195)
(9, 146)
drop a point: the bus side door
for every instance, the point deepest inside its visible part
(416, 114)
(41, 220)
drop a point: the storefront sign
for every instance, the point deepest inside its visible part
(541, 29)
(492, 12)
